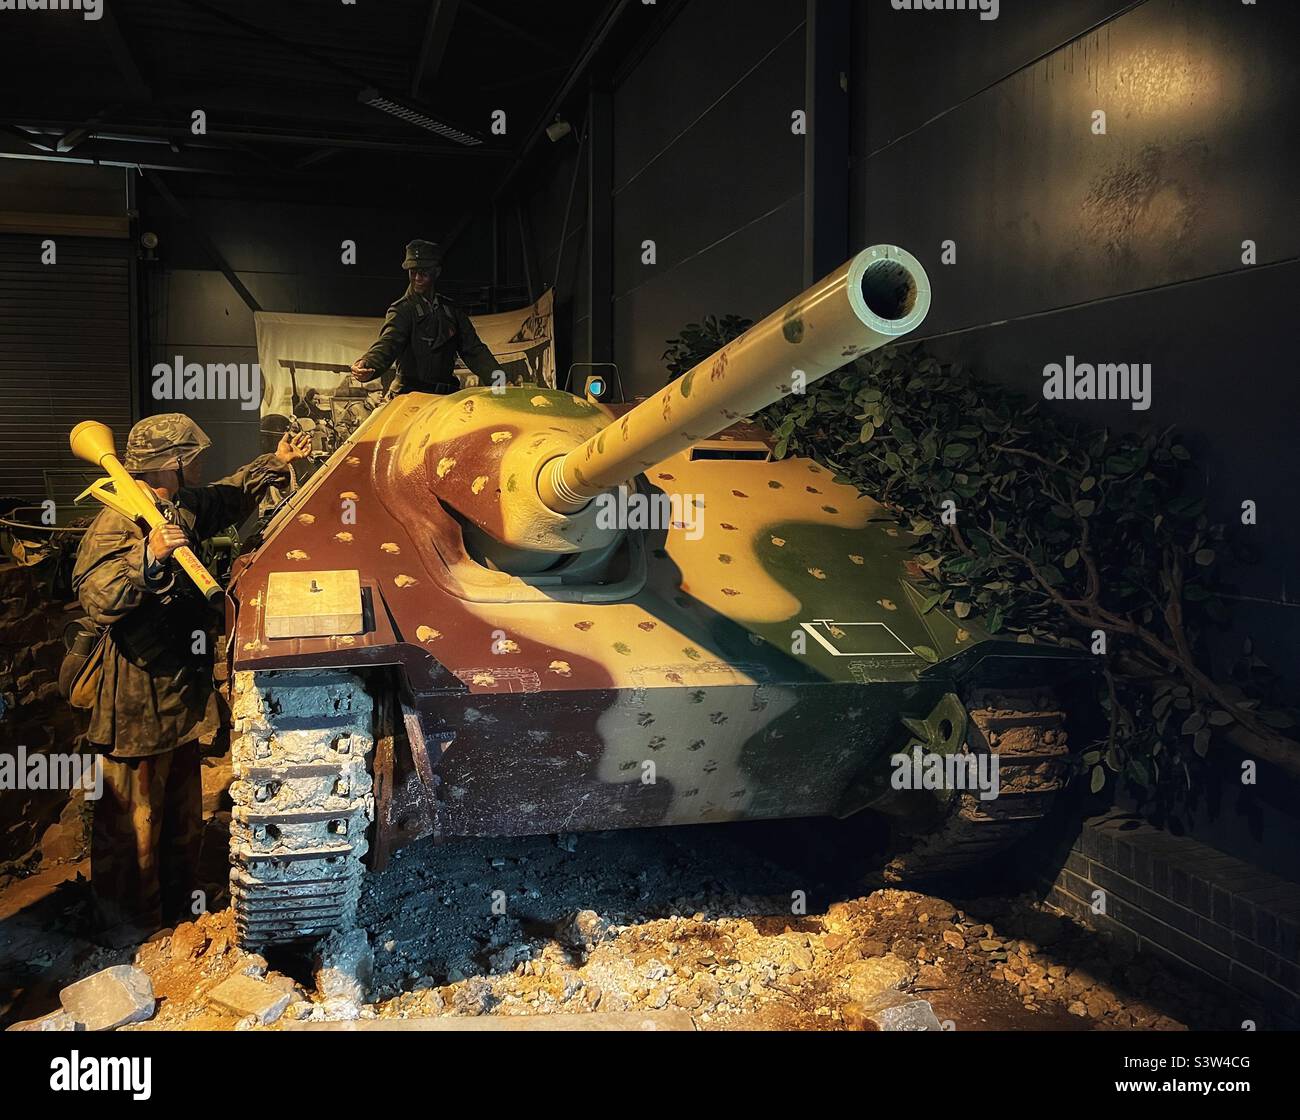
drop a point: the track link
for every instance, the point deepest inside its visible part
(1027, 733)
(303, 804)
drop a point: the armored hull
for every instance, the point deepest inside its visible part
(422, 641)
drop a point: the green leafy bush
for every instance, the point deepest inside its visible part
(1059, 533)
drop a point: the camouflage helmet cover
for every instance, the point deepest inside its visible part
(168, 441)
(422, 254)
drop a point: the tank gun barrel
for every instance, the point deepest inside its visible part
(874, 299)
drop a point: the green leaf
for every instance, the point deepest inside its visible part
(868, 432)
(1277, 719)
(930, 603)
(1071, 558)
(926, 653)
(1205, 557)
(1084, 507)
(1098, 779)
(1220, 719)
(1201, 741)
(1193, 723)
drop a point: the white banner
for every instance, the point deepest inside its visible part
(306, 362)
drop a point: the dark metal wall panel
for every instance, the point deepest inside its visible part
(1201, 103)
(914, 65)
(1122, 247)
(751, 272)
(704, 158)
(709, 47)
(64, 355)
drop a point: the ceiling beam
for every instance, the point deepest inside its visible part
(123, 58)
(514, 29)
(205, 243)
(586, 55)
(437, 31)
(334, 67)
(161, 132)
(114, 154)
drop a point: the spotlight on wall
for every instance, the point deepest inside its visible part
(558, 129)
(149, 242)
(411, 115)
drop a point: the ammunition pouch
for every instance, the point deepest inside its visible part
(82, 665)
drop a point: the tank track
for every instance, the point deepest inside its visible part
(1027, 733)
(302, 803)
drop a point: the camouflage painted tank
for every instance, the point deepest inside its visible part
(521, 612)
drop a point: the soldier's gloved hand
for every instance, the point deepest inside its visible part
(165, 540)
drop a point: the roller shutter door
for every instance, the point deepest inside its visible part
(65, 346)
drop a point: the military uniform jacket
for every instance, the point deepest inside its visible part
(157, 667)
(423, 335)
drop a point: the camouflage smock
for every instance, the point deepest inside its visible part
(154, 687)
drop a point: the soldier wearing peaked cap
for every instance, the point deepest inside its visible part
(423, 332)
(148, 681)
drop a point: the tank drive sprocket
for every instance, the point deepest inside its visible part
(1026, 729)
(302, 803)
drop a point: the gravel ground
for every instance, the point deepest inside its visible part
(725, 923)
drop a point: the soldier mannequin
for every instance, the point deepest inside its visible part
(423, 332)
(157, 672)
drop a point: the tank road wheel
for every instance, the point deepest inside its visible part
(303, 802)
(1025, 729)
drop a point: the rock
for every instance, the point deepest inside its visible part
(583, 931)
(110, 999)
(838, 919)
(873, 948)
(247, 996)
(54, 1021)
(930, 977)
(282, 983)
(953, 938)
(868, 978)
(801, 957)
(253, 964)
(687, 998)
(188, 940)
(989, 945)
(1077, 1008)
(833, 941)
(939, 910)
(504, 960)
(59, 844)
(897, 1011)
(340, 1009)
(473, 997)
(344, 965)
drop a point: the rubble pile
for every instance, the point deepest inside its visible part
(634, 923)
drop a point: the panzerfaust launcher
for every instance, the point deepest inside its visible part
(446, 633)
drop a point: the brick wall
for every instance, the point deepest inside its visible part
(45, 826)
(1235, 927)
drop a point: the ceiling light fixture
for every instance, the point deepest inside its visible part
(377, 100)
